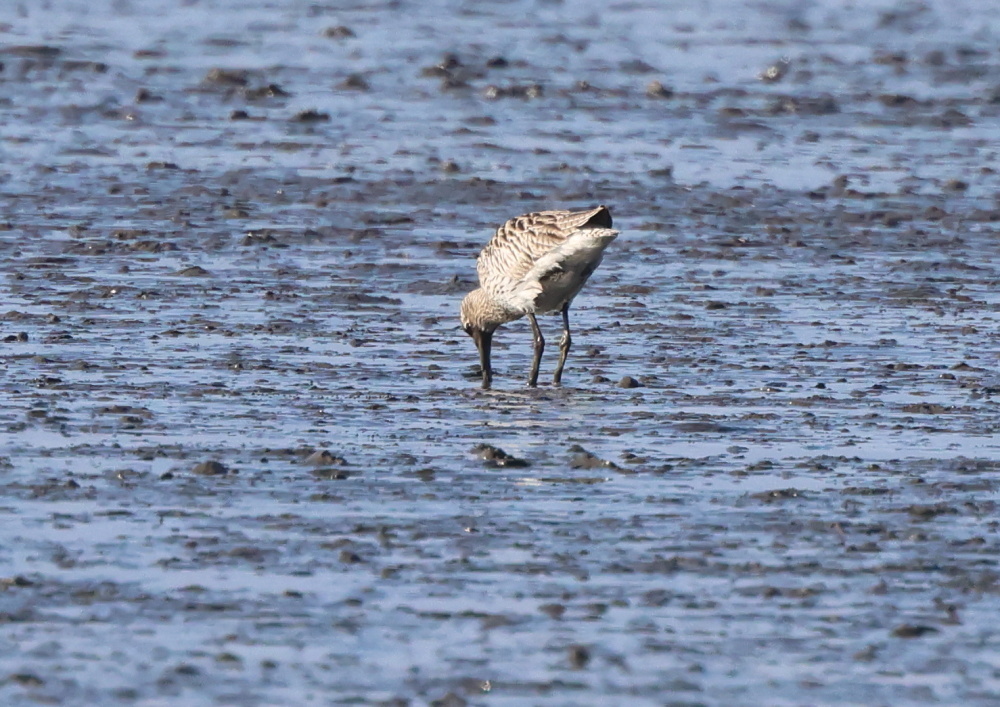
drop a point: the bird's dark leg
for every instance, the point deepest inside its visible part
(564, 343)
(539, 348)
(484, 342)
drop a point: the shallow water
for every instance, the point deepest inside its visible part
(796, 506)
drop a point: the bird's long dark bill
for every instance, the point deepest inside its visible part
(484, 342)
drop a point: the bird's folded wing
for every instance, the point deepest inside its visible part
(526, 247)
(576, 254)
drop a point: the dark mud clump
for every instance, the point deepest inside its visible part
(496, 457)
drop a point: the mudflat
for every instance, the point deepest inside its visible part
(244, 456)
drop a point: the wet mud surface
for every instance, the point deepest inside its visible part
(243, 454)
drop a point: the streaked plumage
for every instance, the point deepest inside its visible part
(534, 263)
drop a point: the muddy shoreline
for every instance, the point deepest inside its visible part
(242, 449)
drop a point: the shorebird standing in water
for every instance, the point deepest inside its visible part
(534, 263)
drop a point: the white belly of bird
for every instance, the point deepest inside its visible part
(561, 287)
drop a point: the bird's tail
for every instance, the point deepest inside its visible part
(600, 236)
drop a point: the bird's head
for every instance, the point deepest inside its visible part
(480, 318)
(479, 314)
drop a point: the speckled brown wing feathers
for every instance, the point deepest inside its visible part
(521, 242)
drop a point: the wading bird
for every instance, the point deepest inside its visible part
(534, 263)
